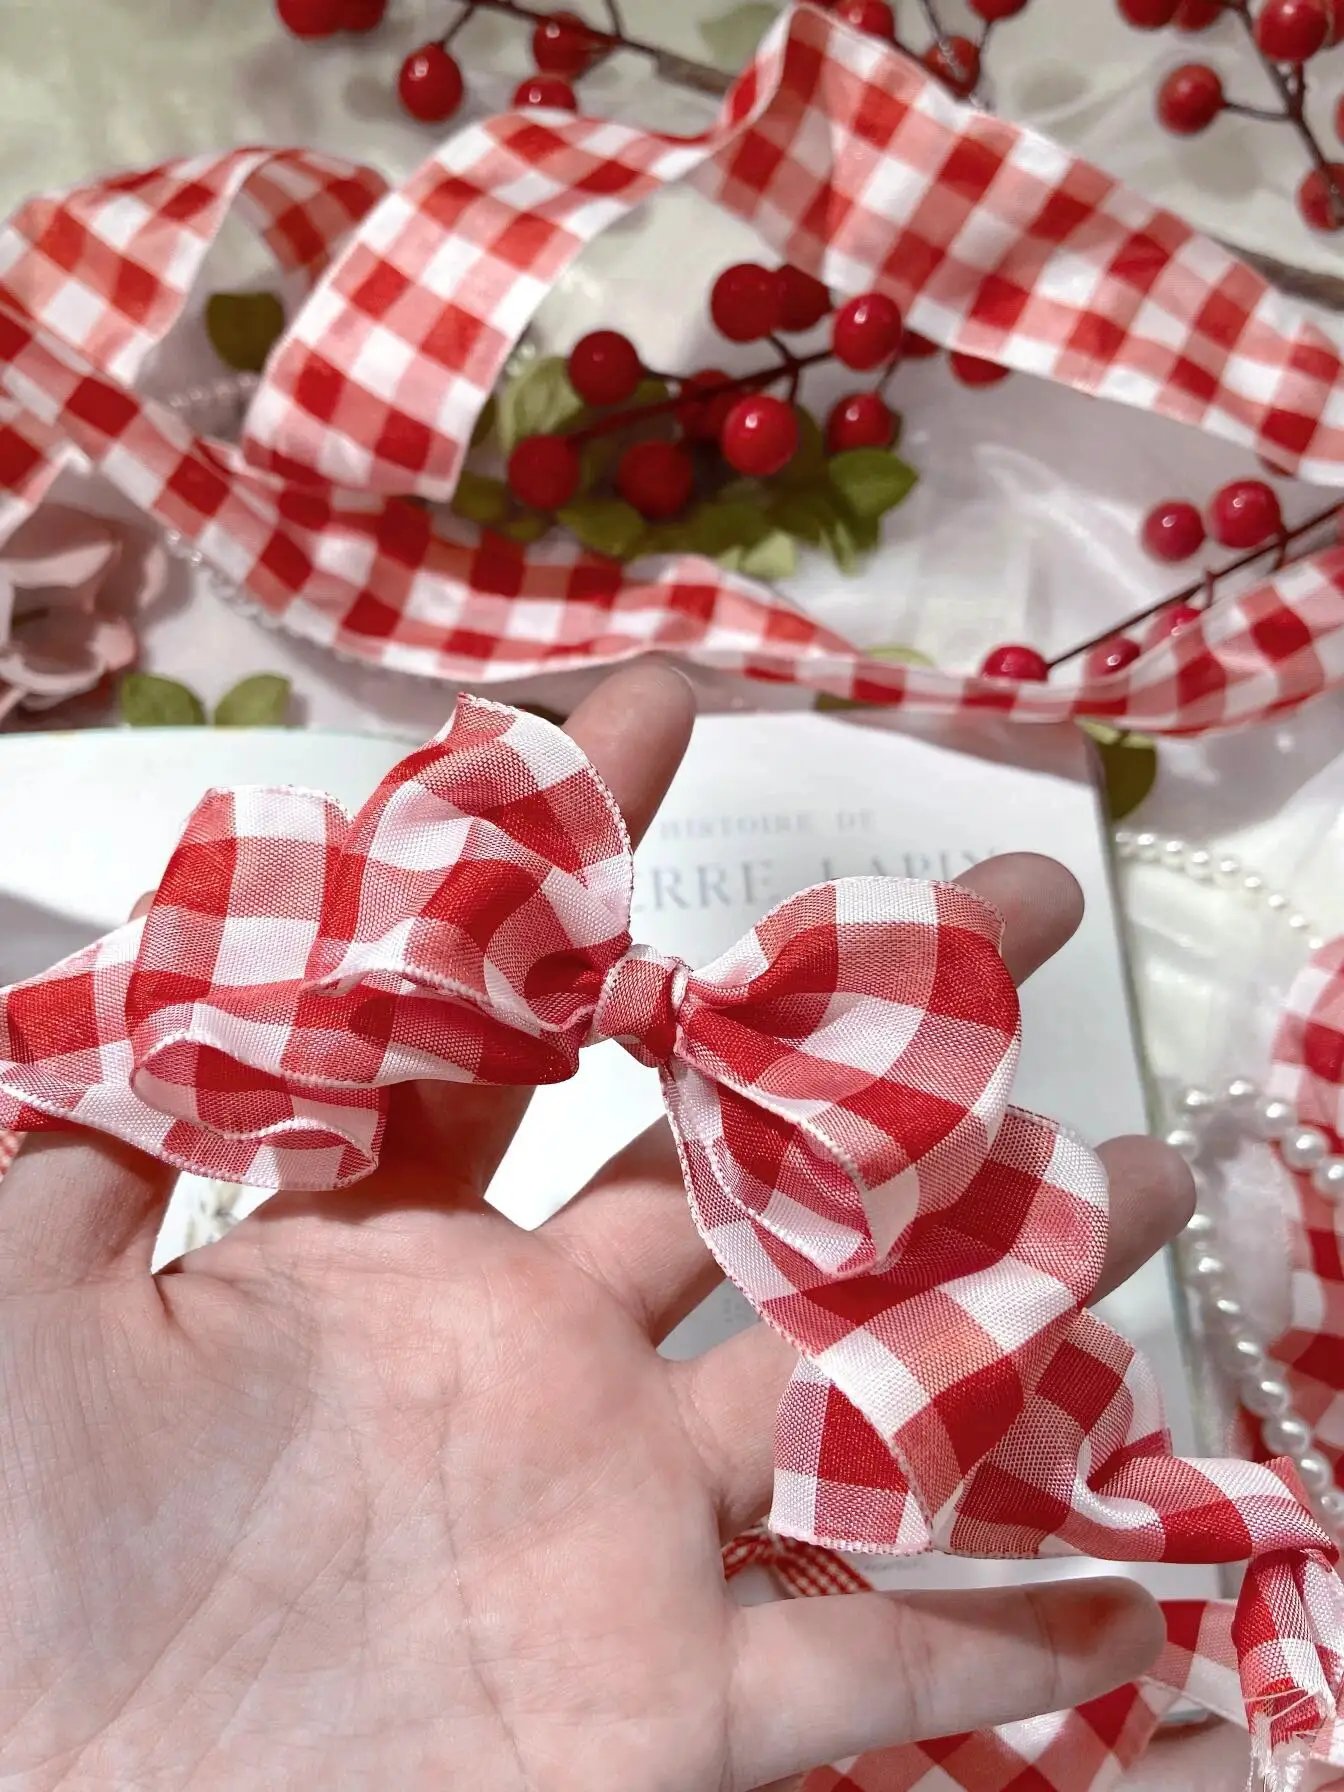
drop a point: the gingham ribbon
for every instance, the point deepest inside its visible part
(849, 160)
(838, 1088)
(1089, 1749)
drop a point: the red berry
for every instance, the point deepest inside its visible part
(706, 404)
(546, 93)
(311, 18)
(860, 421)
(1292, 30)
(362, 15)
(972, 371)
(544, 472)
(1245, 513)
(868, 331)
(1112, 656)
(430, 85)
(1335, 22)
(957, 66)
(760, 437)
(803, 301)
(873, 16)
(563, 45)
(1170, 622)
(991, 11)
(1315, 201)
(1022, 664)
(1198, 15)
(657, 478)
(745, 303)
(918, 348)
(1148, 15)
(605, 368)
(1190, 99)
(1173, 531)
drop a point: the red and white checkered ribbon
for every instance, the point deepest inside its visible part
(849, 160)
(1089, 1749)
(838, 1086)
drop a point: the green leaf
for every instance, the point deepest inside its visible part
(607, 526)
(807, 514)
(714, 529)
(259, 702)
(872, 481)
(650, 391)
(1128, 765)
(150, 702)
(809, 462)
(480, 500)
(844, 550)
(774, 557)
(538, 402)
(486, 424)
(732, 38)
(244, 327)
(525, 529)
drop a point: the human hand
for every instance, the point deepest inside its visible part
(381, 1491)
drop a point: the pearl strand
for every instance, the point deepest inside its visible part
(1202, 1120)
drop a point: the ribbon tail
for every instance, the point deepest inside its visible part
(1289, 1637)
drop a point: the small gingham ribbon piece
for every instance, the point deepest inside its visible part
(838, 1088)
(849, 160)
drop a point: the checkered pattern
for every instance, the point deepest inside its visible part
(1087, 1750)
(847, 158)
(838, 1086)
(1308, 1070)
(9, 1149)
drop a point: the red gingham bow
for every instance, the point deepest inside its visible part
(838, 1088)
(847, 158)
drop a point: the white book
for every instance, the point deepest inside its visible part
(764, 805)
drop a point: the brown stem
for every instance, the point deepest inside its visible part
(680, 70)
(1205, 584)
(791, 367)
(1292, 90)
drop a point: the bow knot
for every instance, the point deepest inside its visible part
(639, 1005)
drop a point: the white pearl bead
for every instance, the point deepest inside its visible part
(1227, 871)
(1173, 853)
(1299, 924)
(1331, 1506)
(1274, 1117)
(1276, 902)
(1253, 885)
(1195, 1103)
(1266, 1396)
(1227, 1310)
(1208, 1268)
(1182, 1139)
(1199, 865)
(1328, 1178)
(1245, 1355)
(1304, 1149)
(1198, 1228)
(1240, 1093)
(1124, 837)
(1289, 1435)
(1316, 1474)
(1316, 943)
(1146, 846)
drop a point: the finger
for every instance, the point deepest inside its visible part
(730, 1395)
(631, 1226)
(823, 1679)
(75, 1206)
(445, 1141)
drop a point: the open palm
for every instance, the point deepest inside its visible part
(381, 1491)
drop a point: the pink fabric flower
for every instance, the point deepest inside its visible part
(71, 585)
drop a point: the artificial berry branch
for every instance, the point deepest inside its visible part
(1244, 515)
